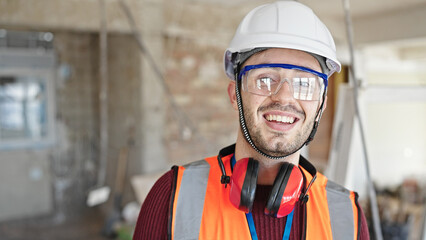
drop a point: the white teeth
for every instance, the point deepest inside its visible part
(278, 118)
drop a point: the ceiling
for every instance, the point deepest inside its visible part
(397, 24)
(334, 7)
(373, 21)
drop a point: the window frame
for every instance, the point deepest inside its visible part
(41, 66)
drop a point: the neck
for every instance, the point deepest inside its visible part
(268, 168)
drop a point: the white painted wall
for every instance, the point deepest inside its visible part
(393, 107)
(397, 136)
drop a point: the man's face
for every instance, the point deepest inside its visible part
(280, 124)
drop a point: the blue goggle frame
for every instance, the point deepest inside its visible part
(285, 66)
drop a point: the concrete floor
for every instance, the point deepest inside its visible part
(80, 227)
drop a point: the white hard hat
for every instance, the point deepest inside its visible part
(282, 24)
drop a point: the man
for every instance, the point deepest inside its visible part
(279, 62)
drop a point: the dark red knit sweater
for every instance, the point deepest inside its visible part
(153, 218)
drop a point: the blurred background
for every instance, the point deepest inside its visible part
(98, 98)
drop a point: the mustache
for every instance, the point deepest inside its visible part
(279, 107)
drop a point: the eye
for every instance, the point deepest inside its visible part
(262, 83)
(265, 83)
(304, 82)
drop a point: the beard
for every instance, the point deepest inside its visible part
(282, 147)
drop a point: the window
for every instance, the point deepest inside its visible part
(23, 113)
(26, 90)
(26, 108)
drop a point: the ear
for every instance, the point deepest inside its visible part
(232, 95)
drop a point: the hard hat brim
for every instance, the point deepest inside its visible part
(247, 43)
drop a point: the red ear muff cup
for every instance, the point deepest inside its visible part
(284, 194)
(249, 187)
(243, 184)
(277, 191)
(285, 191)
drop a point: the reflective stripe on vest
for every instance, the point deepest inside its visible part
(202, 210)
(341, 213)
(218, 218)
(331, 210)
(193, 184)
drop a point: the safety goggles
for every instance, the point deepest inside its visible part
(267, 80)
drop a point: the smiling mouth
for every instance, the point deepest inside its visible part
(280, 119)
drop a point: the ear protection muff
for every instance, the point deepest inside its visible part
(243, 184)
(285, 191)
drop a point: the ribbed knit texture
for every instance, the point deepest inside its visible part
(153, 218)
(270, 227)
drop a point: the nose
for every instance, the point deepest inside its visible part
(285, 93)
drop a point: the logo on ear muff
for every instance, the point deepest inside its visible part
(285, 191)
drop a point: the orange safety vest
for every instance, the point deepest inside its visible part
(201, 209)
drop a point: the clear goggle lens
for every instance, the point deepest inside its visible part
(268, 79)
